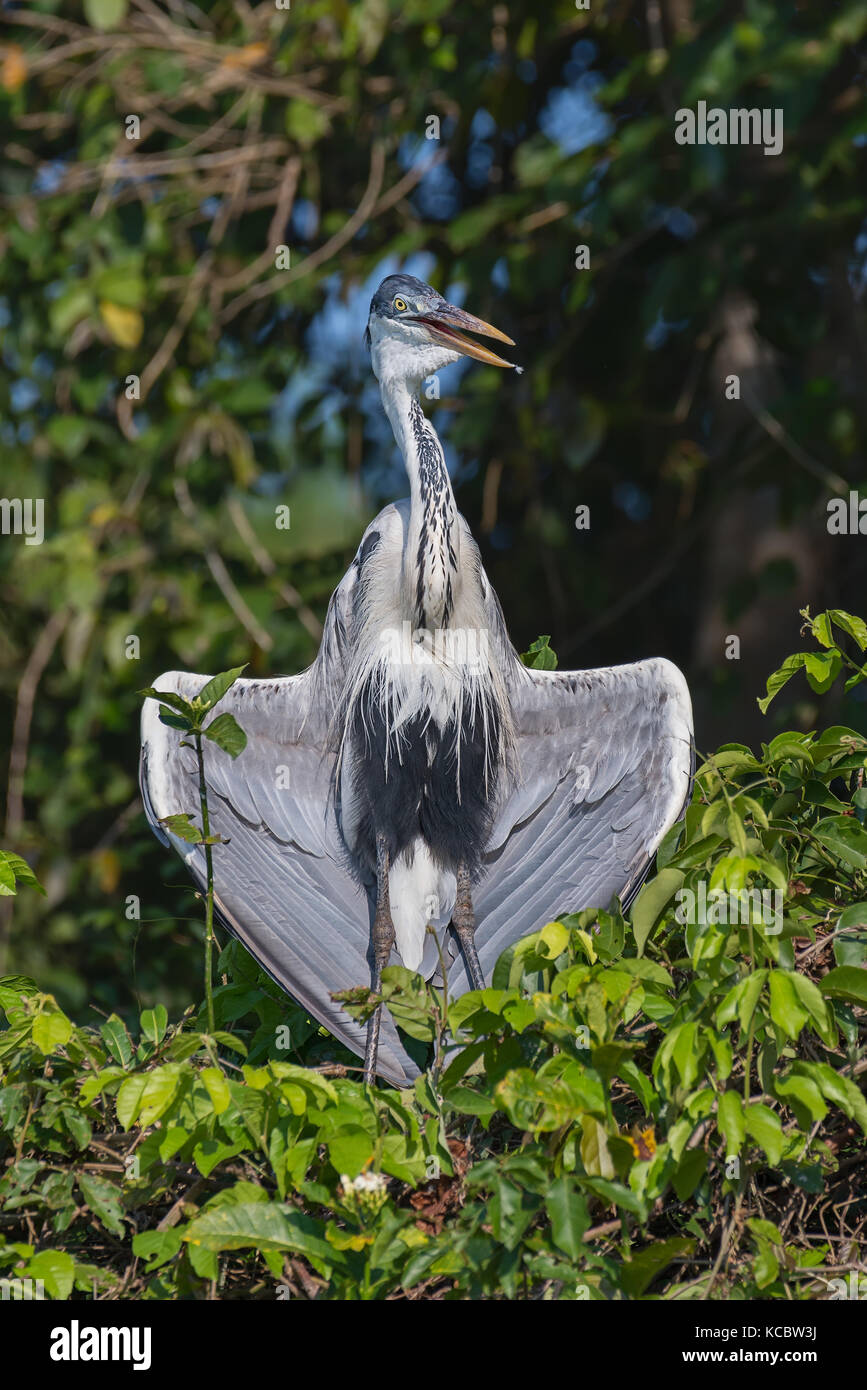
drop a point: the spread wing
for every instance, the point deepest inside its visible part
(604, 769)
(281, 882)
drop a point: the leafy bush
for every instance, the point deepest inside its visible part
(653, 1106)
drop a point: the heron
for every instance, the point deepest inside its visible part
(419, 796)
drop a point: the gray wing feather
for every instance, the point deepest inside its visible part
(281, 882)
(603, 770)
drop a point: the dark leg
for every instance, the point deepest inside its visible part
(382, 937)
(464, 923)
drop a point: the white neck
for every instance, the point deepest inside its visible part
(431, 572)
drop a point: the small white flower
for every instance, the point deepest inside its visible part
(365, 1182)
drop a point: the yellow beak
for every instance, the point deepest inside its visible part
(444, 324)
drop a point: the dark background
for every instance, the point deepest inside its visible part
(306, 128)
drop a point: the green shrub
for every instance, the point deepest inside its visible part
(656, 1106)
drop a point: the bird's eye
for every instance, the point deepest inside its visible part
(400, 305)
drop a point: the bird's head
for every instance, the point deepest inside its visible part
(412, 331)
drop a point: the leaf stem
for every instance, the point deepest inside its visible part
(209, 868)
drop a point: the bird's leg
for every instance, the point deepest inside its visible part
(464, 923)
(382, 937)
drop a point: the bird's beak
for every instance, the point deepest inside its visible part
(444, 324)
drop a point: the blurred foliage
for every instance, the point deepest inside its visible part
(661, 1107)
(155, 258)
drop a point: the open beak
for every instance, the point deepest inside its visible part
(444, 325)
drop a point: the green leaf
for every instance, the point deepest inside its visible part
(822, 669)
(174, 721)
(846, 982)
(468, 1102)
(77, 1124)
(95, 1083)
(595, 1153)
(227, 733)
(408, 1002)
(7, 879)
(129, 1098)
(157, 1246)
(217, 1087)
(651, 901)
(181, 824)
(690, 1172)
(168, 697)
(687, 1050)
(51, 1029)
(555, 938)
(160, 1087)
(56, 1268)
(765, 1128)
(351, 1150)
(212, 693)
(104, 1200)
(69, 308)
(250, 397)
(117, 1040)
(12, 988)
(639, 1272)
(730, 1121)
(153, 1024)
(787, 1011)
(105, 14)
(569, 1216)
(20, 871)
(804, 1091)
(781, 677)
(206, 1263)
(263, 1226)
(765, 1230)
(855, 627)
(209, 1153)
(540, 1103)
(821, 1015)
(742, 1000)
(305, 123)
(840, 1091)
(230, 1040)
(766, 1266)
(539, 655)
(617, 1195)
(845, 838)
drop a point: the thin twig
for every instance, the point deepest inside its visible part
(287, 592)
(221, 575)
(27, 687)
(324, 253)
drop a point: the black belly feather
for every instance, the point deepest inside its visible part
(424, 783)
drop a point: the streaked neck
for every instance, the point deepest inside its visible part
(430, 562)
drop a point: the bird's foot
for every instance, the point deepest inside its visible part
(382, 939)
(464, 923)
